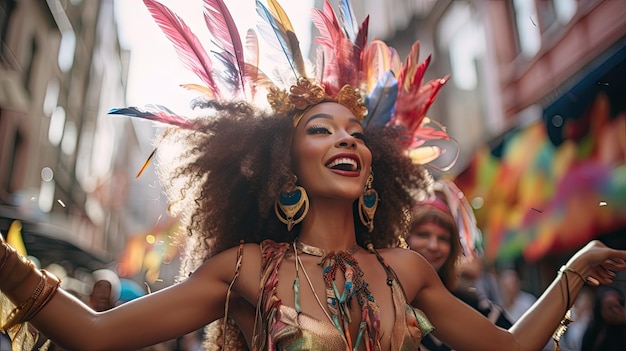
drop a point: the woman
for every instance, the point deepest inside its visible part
(607, 329)
(299, 186)
(434, 233)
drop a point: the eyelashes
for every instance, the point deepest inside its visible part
(359, 135)
(317, 130)
(324, 130)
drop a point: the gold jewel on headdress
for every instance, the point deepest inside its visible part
(305, 94)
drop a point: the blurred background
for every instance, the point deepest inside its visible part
(536, 100)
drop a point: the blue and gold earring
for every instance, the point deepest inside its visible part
(292, 204)
(368, 203)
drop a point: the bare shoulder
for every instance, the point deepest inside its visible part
(399, 256)
(241, 264)
(412, 269)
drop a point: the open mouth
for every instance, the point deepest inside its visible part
(344, 164)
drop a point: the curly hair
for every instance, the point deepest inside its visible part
(225, 175)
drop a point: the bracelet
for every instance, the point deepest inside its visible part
(48, 285)
(567, 319)
(51, 284)
(5, 258)
(563, 271)
(561, 329)
(19, 312)
(565, 268)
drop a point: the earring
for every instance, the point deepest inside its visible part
(368, 203)
(292, 204)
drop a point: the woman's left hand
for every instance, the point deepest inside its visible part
(598, 262)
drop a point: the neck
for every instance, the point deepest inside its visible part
(329, 227)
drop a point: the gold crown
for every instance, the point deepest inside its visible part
(305, 94)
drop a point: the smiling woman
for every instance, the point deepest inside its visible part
(333, 277)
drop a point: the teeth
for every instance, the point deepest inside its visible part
(343, 160)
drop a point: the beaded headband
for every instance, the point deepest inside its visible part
(366, 77)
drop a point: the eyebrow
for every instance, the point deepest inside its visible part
(330, 117)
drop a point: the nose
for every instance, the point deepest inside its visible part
(347, 141)
(433, 244)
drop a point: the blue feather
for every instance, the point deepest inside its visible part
(381, 100)
(349, 22)
(283, 39)
(155, 113)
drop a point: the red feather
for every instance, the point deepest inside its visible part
(186, 44)
(224, 31)
(360, 43)
(411, 106)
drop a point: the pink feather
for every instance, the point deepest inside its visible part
(186, 44)
(340, 67)
(224, 31)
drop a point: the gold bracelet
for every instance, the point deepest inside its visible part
(19, 312)
(5, 258)
(561, 329)
(51, 284)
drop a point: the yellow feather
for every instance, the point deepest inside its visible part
(14, 237)
(145, 164)
(280, 15)
(423, 155)
(200, 88)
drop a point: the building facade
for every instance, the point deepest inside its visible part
(536, 102)
(64, 164)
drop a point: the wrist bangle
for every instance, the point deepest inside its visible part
(565, 268)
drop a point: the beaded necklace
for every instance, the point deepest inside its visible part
(339, 304)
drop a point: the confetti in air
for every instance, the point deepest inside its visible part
(61, 202)
(602, 203)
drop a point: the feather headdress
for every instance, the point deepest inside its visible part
(448, 198)
(367, 78)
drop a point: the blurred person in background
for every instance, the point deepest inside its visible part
(582, 312)
(607, 329)
(449, 243)
(105, 291)
(515, 300)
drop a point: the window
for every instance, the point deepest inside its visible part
(527, 25)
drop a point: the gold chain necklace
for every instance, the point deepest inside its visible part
(297, 286)
(319, 252)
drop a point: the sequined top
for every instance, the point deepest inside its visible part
(279, 328)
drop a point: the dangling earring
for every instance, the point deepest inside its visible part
(292, 204)
(368, 203)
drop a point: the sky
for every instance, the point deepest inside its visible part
(155, 72)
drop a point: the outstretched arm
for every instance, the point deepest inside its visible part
(594, 264)
(157, 317)
(463, 328)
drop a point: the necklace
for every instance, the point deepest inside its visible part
(339, 304)
(319, 252)
(296, 287)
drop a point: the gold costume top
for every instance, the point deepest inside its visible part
(278, 327)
